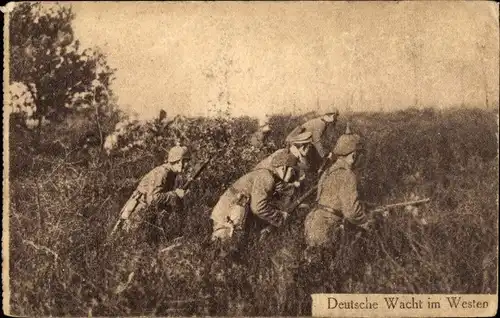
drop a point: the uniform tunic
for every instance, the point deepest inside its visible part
(337, 199)
(317, 127)
(259, 186)
(258, 139)
(288, 190)
(156, 188)
(158, 185)
(266, 162)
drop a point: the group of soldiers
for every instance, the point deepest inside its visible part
(258, 200)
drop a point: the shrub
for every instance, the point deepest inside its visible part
(62, 209)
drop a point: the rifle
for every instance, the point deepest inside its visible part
(323, 165)
(120, 221)
(399, 204)
(292, 207)
(118, 225)
(196, 174)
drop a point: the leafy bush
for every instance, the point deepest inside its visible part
(63, 205)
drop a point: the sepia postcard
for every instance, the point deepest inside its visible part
(280, 158)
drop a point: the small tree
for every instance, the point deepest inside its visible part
(60, 77)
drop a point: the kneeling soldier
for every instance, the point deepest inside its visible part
(252, 193)
(157, 190)
(337, 197)
(242, 210)
(318, 127)
(299, 147)
(338, 210)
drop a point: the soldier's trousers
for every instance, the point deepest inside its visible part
(334, 251)
(319, 227)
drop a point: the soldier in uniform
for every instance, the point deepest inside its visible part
(241, 212)
(317, 127)
(158, 190)
(251, 195)
(338, 205)
(258, 139)
(299, 147)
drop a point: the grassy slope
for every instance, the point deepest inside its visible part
(62, 207)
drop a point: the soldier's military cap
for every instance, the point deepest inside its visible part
(300, 139)
(284, 159)
(177, 153)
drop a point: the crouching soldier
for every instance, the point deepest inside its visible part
(250, 197)
(337, 201)
(244, 209)
(157, 191)
(317, 127)
(299, 147)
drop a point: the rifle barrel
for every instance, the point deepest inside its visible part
(407, 203)
(395, 205)
(196, 174)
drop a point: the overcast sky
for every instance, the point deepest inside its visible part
(274, 56)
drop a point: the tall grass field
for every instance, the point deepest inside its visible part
(65, 197)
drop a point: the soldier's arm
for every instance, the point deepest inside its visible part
(352, 208)
(260, 202)
(159, 196)
(320, 149)
(318, 134)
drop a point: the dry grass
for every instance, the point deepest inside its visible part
(64, 203)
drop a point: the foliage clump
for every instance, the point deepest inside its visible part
(61, 215)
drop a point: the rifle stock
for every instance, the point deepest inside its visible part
(300, 200)
(292, 207)
(323, 165)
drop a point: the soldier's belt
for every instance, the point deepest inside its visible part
(335, 212)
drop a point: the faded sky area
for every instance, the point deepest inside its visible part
(295, 57)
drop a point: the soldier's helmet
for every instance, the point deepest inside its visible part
(333, 112)
(284, 159)
(178, 153)
(347, 143)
